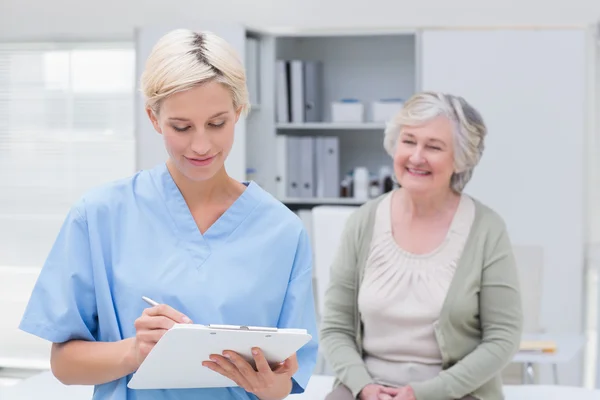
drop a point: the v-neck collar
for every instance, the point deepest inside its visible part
(198, 244)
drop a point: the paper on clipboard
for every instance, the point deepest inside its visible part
(175, 362)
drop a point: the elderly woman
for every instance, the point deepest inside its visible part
(424, 300)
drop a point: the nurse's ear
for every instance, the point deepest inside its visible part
(238, 112)
(153, 119)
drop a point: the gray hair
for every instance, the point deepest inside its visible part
(469, 132)
(182, 59)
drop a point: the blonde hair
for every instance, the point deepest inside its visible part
(182, 59)
(469, 132)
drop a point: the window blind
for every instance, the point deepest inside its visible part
(66, 125)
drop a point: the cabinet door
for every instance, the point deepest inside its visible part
(530, 86)
(149, 144)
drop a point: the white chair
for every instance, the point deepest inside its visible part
(328, 224)
(530, 265)
(318, 388)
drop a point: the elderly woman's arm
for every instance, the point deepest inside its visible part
(501, 322)
(338, 325)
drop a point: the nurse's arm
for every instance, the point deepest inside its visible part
(79, 362)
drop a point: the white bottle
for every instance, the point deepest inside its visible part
(361, 183)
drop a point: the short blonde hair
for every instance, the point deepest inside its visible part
(182, 59)
(469, 133)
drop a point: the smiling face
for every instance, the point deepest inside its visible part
(198, 128)
(424, 156)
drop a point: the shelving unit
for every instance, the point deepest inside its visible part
(367, 67)
(330, 126)
(301, 203)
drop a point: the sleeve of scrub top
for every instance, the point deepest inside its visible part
(62, 305)
(299, 312)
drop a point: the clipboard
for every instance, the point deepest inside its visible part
(175, 362)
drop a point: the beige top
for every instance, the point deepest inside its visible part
(401, 298)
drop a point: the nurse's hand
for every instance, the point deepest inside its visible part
(264, 382)
(151, 326)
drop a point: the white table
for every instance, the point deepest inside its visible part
(549, 392)
(45, 387)
(567, 348)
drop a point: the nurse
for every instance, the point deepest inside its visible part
(210, 249)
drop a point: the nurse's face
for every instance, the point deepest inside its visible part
(198, 128)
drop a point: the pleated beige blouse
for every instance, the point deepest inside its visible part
(401, 297)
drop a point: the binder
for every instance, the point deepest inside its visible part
(288, 177)
(253, 70)
(282, 95)
(297, 91)
(282, 177)
(294, 175)
(313, 105)
(327, 167)
(305, 167)
(175, 362)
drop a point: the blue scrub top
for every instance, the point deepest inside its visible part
(136, 237)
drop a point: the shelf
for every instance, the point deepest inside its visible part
(316, 201)
(332, 126)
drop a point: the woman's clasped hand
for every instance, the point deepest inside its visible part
(379, 392)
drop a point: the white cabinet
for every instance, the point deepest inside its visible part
(360, 70)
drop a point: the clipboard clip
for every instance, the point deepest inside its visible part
(243, 328)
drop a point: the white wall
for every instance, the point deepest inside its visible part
(115, 18)
(71, 19)
(516, 108)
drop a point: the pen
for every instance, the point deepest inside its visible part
(153, 303)
(149, 301)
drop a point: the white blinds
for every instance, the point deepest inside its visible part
(66, 124)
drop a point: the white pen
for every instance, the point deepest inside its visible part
(153, 303)
(149, 301)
